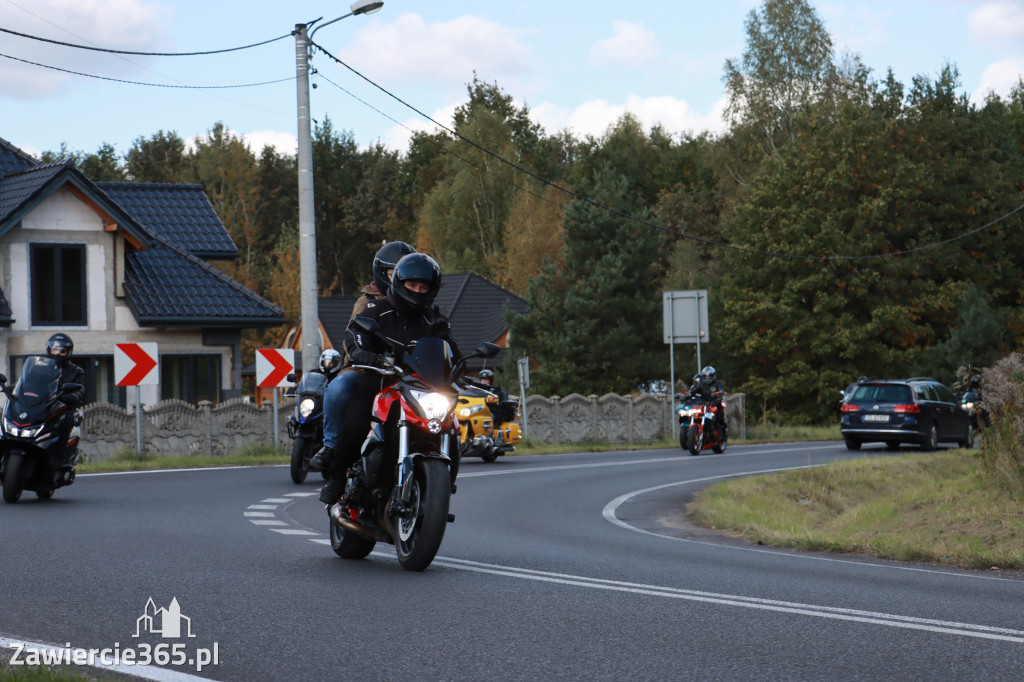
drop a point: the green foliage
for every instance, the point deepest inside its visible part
(1002, 444)
(975, 338)
(594, 323)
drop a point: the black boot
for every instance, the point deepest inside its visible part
(321, 461)
(332, 492)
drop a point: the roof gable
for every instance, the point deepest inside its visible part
(181, 214)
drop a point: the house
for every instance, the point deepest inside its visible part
(474, 306)
(112, 263)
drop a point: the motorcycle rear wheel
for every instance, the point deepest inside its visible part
(694, 440)
(419, 531)
(300, 459)
(350, 545)
(13, 478)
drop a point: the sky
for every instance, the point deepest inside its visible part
(577, 65)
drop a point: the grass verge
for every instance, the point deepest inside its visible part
(127, 459)
(937, 507)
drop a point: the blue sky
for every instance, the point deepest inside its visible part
(577, 64)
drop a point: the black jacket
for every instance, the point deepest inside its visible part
(400, 329)
(70, 373)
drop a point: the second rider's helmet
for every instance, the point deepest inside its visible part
(486, 374)
(387, 258)
(60, 346)
(708, 373)
(330, 362)
(418, 267)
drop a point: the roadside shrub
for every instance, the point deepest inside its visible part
(1002, 445)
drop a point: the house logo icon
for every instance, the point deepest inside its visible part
(164, 622)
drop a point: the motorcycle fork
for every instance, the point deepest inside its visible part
(405, 463)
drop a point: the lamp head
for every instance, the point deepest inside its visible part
(366, 6)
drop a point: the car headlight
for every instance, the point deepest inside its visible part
(467, 412)
(434, 405)
(306, 407)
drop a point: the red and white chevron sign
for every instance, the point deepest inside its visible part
(273, 365)
(135, 364)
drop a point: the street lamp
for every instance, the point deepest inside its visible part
(307, 220)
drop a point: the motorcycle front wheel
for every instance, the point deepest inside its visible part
(683, 429)
(13, 478)
(300, 459)
(420, 529)
(694, 439)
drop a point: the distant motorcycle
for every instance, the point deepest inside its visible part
(31, 450)
(687, 401)
(488, 426)
(410, 458)
(704, 432)
(306, 424)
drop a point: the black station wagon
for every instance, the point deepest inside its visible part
(894, 411)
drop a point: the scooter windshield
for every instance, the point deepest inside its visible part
(38, 383)
(431, 358)
(312, 382)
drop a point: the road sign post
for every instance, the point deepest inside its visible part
(273, 365)
(686, 321)
(135, 364)
(523, 365)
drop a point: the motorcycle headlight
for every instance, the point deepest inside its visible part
(18, 432)
(968, 406)
(306, 407)
(467, 412)
(434, 405)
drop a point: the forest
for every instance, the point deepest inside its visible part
(844, 224)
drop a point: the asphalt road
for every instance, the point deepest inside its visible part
(557, 567)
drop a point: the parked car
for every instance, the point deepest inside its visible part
(919, 410)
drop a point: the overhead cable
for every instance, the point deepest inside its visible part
(145, 54)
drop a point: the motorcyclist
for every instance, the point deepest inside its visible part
(60, 347)
(330, 363)
(339, 391)
(712, 388)
(405, 314)
(499, 411)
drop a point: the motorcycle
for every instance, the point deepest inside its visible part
(488, 426)
(703, 432)
(684, 413)
(306, 425)
(409, 460)
(970, 402)
(31, 450)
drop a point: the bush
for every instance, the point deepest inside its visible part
(1002, 446)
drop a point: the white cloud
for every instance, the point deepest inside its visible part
(631, 45)
(113, 24)
(999, 77)
(284, 143)
(595, 117)
(398, 136)
(409, 50)
(998, 21)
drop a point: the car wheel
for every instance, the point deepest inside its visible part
(931, 442)
(851, 443)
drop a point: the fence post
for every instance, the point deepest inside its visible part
(629, 420)
(207, 407)
(558, 418)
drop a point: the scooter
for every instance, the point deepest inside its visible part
(488, 426)
(306, 425)
(31, 450)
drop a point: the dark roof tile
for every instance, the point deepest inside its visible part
(13, 160)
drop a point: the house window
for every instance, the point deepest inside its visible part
(58, 284)
(191, 378)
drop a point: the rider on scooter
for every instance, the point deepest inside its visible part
(60, 347)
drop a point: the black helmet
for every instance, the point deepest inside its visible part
(60, 346)
(708, 373)
(330, 362)
(415, 267)
(486, 374)
(387, 257)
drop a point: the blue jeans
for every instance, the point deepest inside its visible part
(339, 392)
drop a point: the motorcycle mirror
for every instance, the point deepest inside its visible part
(71, 388)
(367, 324)
(487, 350)
(3, 378)
(291, 377)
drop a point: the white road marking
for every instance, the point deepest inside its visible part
(267, 522)
(293, 531)
(275, 500)
(262, 506)
(258, 514)
(301, 494)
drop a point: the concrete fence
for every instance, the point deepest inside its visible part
(173, 427)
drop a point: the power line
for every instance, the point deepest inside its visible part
(648, 223)
(152, 85)
(146, 54)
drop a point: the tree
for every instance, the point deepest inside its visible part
(160, 158)
(594, 320)
(974, 339)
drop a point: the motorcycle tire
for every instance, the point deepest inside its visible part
(694, 440)
(419, 531)
(300, 459)
(44, 493)
(719, 447)
(682, 437)
(13, 478)
(489, 455)
(350, 545)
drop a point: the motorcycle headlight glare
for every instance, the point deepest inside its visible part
(968, 406)
(434, 405)
(306, 407)
(467, 412)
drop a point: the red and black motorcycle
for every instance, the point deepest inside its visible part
(410, 458)
(704, 431)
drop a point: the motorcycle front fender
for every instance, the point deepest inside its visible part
(405, 485)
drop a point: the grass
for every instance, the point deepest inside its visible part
(936, 507)
(127, 459)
